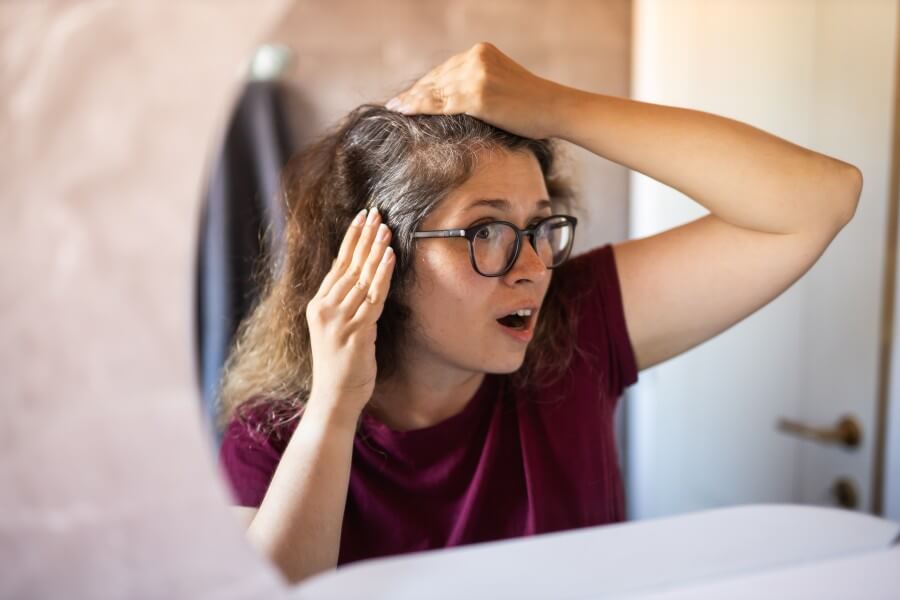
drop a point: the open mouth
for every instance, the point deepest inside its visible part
(519, 321)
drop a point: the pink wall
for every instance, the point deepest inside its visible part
(109, 113)
(108, 489)
(349, 52)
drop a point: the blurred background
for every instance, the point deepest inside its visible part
(139, 142)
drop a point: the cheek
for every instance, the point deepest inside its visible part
(450, 296)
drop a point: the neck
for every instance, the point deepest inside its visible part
(423, 393)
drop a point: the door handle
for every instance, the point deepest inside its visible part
(845, 492)
(846, 432)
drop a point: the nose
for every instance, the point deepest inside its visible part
(528, 264)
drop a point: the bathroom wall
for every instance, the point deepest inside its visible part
(350, 52)
(109, 490)
(110, 111)
(702, 426)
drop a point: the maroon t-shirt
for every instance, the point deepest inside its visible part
(508, 465)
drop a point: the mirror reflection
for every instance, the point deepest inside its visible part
(618, 314)
(488, 303)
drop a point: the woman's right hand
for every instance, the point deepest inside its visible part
(342, 319)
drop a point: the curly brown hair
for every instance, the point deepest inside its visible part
(404, 166)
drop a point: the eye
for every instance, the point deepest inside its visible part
(484, 233)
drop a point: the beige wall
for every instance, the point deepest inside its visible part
(108, 489)
(109, 112)
(349, 52)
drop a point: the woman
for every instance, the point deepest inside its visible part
(499, 361)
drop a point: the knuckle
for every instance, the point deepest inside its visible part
(482, 48)
(343, 312)
(478, 74)
(314, 311)
(363, 283)
(353, 272)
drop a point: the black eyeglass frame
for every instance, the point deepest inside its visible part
(470, 233)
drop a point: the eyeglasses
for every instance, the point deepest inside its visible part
(494, 246)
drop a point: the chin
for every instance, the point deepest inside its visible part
(505, 367)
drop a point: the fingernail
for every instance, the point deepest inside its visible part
(360, 216)
(382, 232)
(388, 253)
(392, 104)
(373, 214)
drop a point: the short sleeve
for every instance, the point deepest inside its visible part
(593, 280)
(249, 462)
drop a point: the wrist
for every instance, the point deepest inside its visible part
(330, 413)
(569, 110)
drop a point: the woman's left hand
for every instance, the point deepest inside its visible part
(488, 85)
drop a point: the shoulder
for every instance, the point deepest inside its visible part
(253, 442)
(261, 424)
(594, 265)
(590, 286)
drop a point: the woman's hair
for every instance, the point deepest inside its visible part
(405, 166)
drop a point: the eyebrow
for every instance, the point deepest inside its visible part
(502, 204)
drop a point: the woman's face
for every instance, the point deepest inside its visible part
(455, 309)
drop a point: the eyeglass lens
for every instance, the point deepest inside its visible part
(495, 244)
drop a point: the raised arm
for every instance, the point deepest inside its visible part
(743, 175)
(774, 206)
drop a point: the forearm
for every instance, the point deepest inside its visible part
(298, 524)
(743, 175)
